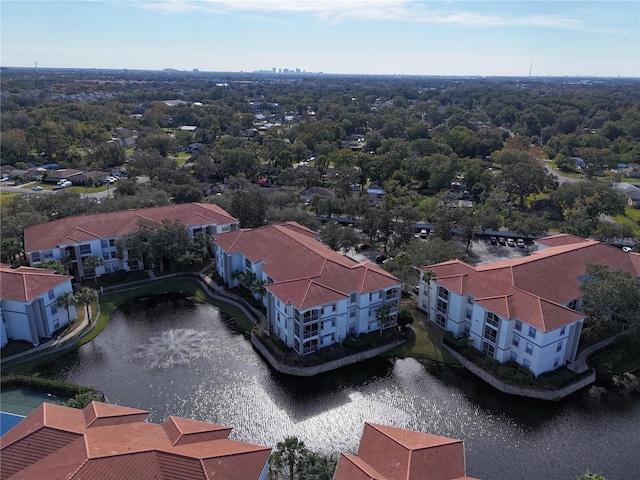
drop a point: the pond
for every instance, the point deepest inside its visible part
(175, 357)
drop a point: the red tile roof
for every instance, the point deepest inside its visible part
(72, 230)
(390, 453)
(25, 283)
(306, 272)
(533, 288)
(109, 441)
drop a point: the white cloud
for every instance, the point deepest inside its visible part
(333, 11)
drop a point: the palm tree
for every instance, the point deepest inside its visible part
(86, 297)
(257, 288)
(10, 248)
(93, 262)
(383, 316)
(319, 467)
(66, 300)
(428, 277)
(288, 454)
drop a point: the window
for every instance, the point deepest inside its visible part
(442, 306)
(514, 356)
(573, 304)
(518, 325)
(104, 243)
(488, 349)
(54, 309)
(352, 298)
(352, 312)
(526, 363)
(443, 292)
(85, 249)
(247, 263)
(556, 362)
(47, 254)
(532, 332)
(529, 349)
(492, 319)
(51, 294)
(56, 324)
(562, 330)
(559, 347)
(441, 320)
(106, 255)
(391, 294)
(490, 334)
(516, 341)
(35, 256)
(469, 313)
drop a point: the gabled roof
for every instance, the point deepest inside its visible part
(305, 272)
(391, 453)
(109, 441)
(23, 284)
(72, 230)
(534, 288)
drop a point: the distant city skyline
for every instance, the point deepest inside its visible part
(404, 37)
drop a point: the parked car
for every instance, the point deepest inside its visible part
(627, 249)
(502, 241)
(511, 242)
(493, 241)
(423, 233)
(37, 188)
(520, 243)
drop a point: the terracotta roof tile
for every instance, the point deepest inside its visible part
(535, 287)
(82, 228)
(25, 283)
(62, 442)
(99, 414)
(390, 453)
(183, 430)
(352, 467)
(305, 271)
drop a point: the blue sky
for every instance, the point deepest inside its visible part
(473, 37)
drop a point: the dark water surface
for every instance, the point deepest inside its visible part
(176, 358)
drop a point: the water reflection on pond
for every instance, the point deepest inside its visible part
(177, 358)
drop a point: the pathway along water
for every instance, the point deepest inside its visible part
(177, 358)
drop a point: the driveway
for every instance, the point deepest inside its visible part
(558, 176)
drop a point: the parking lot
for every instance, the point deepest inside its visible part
(485, 252)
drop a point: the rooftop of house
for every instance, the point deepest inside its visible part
(110, 441)
(306, 272)
(390, 453)
(84, 228)
(534, 288)
(23, 284)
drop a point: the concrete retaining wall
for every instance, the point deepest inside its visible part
(318, 369)
(553, 395)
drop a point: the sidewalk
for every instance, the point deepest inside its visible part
(47, 347)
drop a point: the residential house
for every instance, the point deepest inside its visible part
(29, 305)
(631, 192)
(308, 194)
(81, 236)
(376, 193)
(314, 296)
(70, 174)
(112, 441)
(526, 309)
(390, 453)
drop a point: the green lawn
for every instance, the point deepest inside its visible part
(428, 341)
(632, 217)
